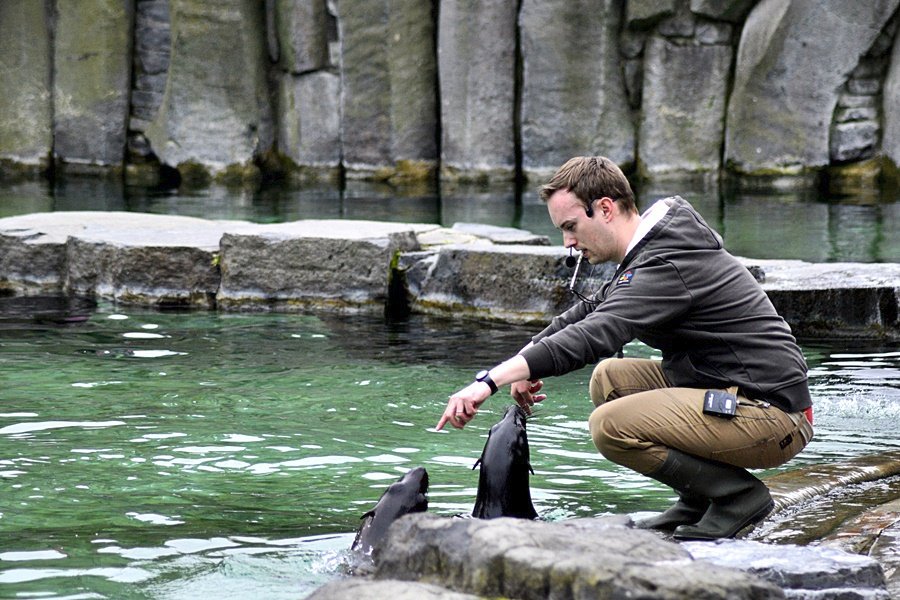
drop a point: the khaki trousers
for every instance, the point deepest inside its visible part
(639, 416)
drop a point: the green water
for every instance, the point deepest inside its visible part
(205, 455)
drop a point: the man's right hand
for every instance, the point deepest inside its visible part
(525, 393)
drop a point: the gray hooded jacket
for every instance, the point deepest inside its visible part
(679, 290)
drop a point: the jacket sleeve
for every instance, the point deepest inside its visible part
(574, 314)
(652, 296)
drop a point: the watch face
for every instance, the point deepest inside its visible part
(481, 375)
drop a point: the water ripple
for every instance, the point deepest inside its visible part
(20, 428)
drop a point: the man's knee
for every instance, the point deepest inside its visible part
(600, 431)
(617, 445)
(610, 441)
(602, 385)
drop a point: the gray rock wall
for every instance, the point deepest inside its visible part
(308, 95)
(685, 87)
(470, 89)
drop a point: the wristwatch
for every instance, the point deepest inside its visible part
(485, 376)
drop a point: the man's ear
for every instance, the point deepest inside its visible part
(606, 207)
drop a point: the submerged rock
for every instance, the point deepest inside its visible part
(802, 572)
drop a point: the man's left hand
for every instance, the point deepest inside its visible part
(463, 405)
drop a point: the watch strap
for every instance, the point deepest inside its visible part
(485, 377)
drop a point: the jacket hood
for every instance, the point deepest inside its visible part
(681, 228)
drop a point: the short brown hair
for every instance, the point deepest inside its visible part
(590, 178)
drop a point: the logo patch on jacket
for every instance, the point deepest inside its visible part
(625, 278)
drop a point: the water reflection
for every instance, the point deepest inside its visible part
(757, 223)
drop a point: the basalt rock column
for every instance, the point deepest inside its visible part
(308, 119)
(686, 71)
(92, 76)
(573, 87)
(25, 100)
(477, 60)
(388, 88)
(215, 117)
(793, 60)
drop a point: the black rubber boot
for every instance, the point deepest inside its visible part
(737, 498)
(690, 508)
(687, 511)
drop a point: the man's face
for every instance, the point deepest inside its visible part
(591, 235)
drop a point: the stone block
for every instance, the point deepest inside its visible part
(389, 81)
(835, 299)
(855, 101)
(679, 25)
(302, 32)
(309, 120)
(502, 235)
(129, 257)
(91, 83)
(645, 13)
(853, 141)
(217, 67)
(683, 112)
(483, 280)
(846, 115)
(713, 33)
(734, 11)
(574, 101)
(32, 255)
(801, 571)
(869, 86)
(26, 110)
(335, 264)
(792, 62)
(477, 70)
(147, 260)
(143, 274)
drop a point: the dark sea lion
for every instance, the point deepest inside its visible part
(407, 495)
(503, 489)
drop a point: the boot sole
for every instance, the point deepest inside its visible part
(758, 516)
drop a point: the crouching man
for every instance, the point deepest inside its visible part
(730, 393)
